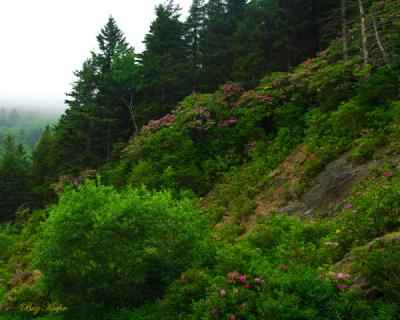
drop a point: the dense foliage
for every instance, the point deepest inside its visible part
(191, 218)
(125, 247)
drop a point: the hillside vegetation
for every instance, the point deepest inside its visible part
(274, 201)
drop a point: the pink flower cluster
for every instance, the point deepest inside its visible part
(343, 287)
(339, 279)
(232, 88)
(242, 279)
(228, 122)
(324, 54)
(308, 63)
(200, 119)
(235, 279)
(265, 98)
(283, 267)
(163, 122)
(230, 91)
(389, 174)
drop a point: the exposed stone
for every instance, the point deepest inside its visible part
(28, 278)
(347, 264)
(331, 244)
(330, 188)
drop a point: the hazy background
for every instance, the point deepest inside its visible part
(44, 41)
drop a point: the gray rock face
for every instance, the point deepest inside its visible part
(331, 187)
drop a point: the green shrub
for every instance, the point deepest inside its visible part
(102, 249)
(382, 269)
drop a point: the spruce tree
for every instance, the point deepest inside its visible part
(14, 168)
(76, 144)
(217, 41)
(165, 77)
(43, 171)
(98, 117)
(110, 40)
(193, 26)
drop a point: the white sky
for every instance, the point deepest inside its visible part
(43, 41)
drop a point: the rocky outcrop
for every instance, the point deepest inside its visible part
(348, 264)
(28, 278)
(330, 188)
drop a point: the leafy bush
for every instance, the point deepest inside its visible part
(382, 269)
(102, 249)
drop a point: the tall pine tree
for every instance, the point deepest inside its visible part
(193, 27)
(216, 43)
(165, 75)
(43, 171)
(99, 116)
(14, 169)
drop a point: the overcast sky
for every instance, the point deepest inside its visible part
(43, 41)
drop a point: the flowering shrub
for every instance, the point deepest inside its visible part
(163, 122)
(227, 123)
(232, 300)
(372, 209)
(231, 93)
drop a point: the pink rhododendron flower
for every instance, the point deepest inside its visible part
(233, 317)
(183, 278)
(349, 206)
(258, 280)
(265, 98)
(283, 267)
(228, 122)
(342, 287)
(233, 275)
(389, 174)
(223, 292)
(246, 285)
(242, 278)
(341, 276)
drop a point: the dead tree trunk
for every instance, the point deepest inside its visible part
(379, 42)
(363, 32)
(129, 105)
(345, 35)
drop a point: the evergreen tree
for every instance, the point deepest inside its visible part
(165, 77)
(214, 44)
(98, 116)
(3, 116)
(113, 116)
(76, 144)
(13, 117)
(217, 42)
(276, 35)
(193, 26)
(14, 168)
(260, 42)
(125, 73)
(110, 40)
(43, 172)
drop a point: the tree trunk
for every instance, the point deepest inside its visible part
(379, 42)
(344, 30)
(363, 32)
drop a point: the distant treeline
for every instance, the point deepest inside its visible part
(25, 126)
